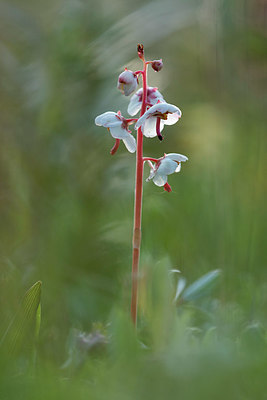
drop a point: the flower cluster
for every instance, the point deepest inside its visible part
(155, 114)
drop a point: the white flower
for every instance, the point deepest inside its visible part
(165, 166)
(154, 119)
(118, 127)
(127, 82)
(153, 97)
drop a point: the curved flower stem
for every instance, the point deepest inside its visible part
(150, 159)
(131, 120)
(138, 204)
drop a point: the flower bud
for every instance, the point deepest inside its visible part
(140, 51)
(157, 65)
(127, 82)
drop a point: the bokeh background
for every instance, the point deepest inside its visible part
(66, 205)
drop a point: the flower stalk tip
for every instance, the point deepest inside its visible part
(140, 51)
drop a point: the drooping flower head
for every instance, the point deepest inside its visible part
(154, 119)
(165, 166)
(118, 126)
(127, 82)
(153, 97)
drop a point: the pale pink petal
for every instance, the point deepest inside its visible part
(163, 108)
(178, 169)
(106, 119)
(129, 88)
(172, 118)
(130, 143)
(167, 167)
(159, 108)
(151, 175)
(154, 96)
(149, 127)
(134, 105)
(176, 157)
(142, 119)
(118, 132)
(160, 180)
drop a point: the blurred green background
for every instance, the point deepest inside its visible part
(66, 205)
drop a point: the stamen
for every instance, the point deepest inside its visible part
(158, 129)
(115, 147)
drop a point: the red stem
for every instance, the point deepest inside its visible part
(138, 204)
(131, 120)
(150, 159)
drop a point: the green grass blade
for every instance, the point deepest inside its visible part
(202, 286)
(26, 324)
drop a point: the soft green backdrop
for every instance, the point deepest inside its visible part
(66, 205)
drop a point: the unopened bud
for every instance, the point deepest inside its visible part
(140, 51)
(157, 65)
(127, 82)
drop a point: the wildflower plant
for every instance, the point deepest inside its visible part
(155, 113)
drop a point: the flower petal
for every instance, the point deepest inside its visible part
(107, 118)
(151, 175)
(172, 118)
(129, 88)
(134, 105)
(167, 167)
(118, 132)
(141, 120)
(176, 157)
(178, 169)
(149, 127)
(163, 108)
(130, 143)
(153, 96)
(159, 108)
(160, 180)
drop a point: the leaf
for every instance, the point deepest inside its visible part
(202, 287)
(180, 287)
(24, 328)
(38, 321)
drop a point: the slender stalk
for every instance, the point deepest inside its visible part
(150, 159)
(138, 204)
